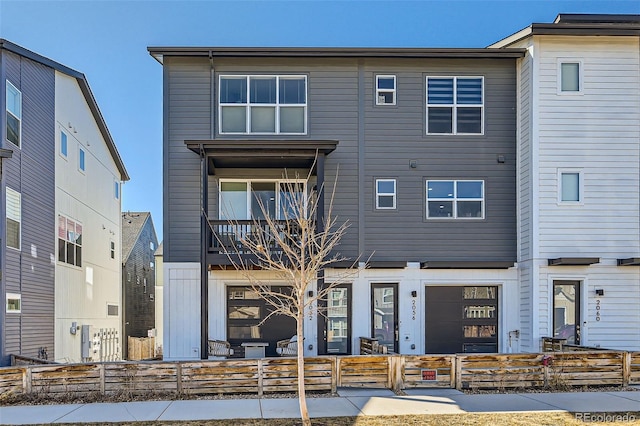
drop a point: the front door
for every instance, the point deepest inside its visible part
(566, 311)
(334, 322)
(384, 315)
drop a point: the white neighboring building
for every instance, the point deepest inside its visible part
(89, 176)
(578, 180)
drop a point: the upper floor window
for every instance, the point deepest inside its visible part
(81, 160)
(112, 249)
(63, 144)
(244, 200)
(14, 114)
(14, 218)
(455, 199)
(116, 190)
(385, 193)
(263, 104)
(570, 186)
(570, 76)
(385, 90)
(14, 303)
(455, 105)
(69, 241)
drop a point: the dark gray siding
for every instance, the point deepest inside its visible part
(387, 138)
(31, 172)
(138, 298)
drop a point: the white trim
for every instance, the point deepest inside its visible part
(454, 200)
(13, 196)
(579, 172)
(387, 194)
(454, 106)
(580, 63)
(277, 105)
(64, 155)
(14, 296)
(378, 90)
(19, 145)
(82, 159)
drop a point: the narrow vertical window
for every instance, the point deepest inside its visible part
(81, 160)
(570, 77)
(112, 249)
(385, 90)
(63, 144)
(14, 218)
(570, 191)
(116, 190)
(385, 193)
(69, 241)
(14, 114)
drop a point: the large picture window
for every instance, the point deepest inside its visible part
(263, 104)
(455, 105)
(69, 241)
(14, 114)
(253, 199)
(455, 199)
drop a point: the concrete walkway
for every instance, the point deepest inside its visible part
(350, 402)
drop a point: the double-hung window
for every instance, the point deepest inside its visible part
(385, 194)
(14, 114)
(455, 105)
(263, 104)
(256, 199)
(385, 90)
(69, 241)
(455, 199)
(14, 218)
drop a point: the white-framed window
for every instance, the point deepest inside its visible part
(570, 186)
(455, 105)
(112, 249)
(116, 190)
(263, 104)
(570, 76)
(14, 114)
(14, 219)
(64, 146)
(455, 199)
(385, 194)
(69, 241)
(252, 199)
(385, 89)
(81, 160)
(14, 303)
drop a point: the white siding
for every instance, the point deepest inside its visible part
(181, 311)
(82, 293)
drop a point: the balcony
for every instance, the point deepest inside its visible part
(225, 239)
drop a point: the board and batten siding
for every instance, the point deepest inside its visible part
(597, 132)
(31, 171)
(181, 311)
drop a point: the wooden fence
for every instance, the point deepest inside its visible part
(270, 375)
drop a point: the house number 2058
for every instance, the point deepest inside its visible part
(413, 309)
(598, 310)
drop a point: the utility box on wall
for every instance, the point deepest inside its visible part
(86, 338)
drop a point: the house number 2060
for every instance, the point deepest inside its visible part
(598, 310)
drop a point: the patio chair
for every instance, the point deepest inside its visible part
(287, 347)
(220, 348)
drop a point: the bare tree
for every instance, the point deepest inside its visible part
(297, 249)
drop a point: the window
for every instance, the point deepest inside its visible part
(455, 199)
(63, 144)
(385, 193)
(116, 190)
(151, 265)
(81, 164)
(570, 77)
(455, 105)
(112, 250)
(244, 200)
(112, 310)
(14, 218)
(14, 303)
(69, 241)
(14, 114)
(263, 104)
(152, 246)
(385, 90)
(570, 186)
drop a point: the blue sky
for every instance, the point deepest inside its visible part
(107, 40)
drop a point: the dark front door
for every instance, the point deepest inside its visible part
(566, 311)
(334, 322)
(461, 319)
(384, 315)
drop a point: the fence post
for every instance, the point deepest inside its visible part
(102, 378)
(334, 374)
(458, 364)
(178, 377)
(338, 372)
(626, 368)
(26, 380)
(260, 377)
(453, 374)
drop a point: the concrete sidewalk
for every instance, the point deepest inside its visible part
(350, 402)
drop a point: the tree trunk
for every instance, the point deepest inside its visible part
(302, 396)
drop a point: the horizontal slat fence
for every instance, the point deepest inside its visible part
(271, 375)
